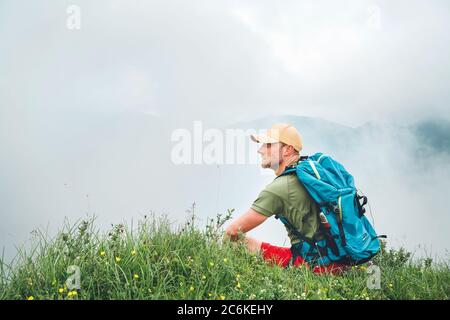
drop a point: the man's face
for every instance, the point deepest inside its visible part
(271, 155)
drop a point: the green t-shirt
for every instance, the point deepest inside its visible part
(286, 196)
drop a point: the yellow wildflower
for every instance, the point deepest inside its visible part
(136, 276)
(133, 252)
(102, 253)
(211, 264)
(191, 288)
(238, 285)
(221, 297)
(118, 259)
(61, 290)
(30, 298)
(225, 260)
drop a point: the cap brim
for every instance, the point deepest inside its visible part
(263, 139)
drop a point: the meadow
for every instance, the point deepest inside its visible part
(157, 260)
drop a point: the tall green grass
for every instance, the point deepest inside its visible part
(157, 261)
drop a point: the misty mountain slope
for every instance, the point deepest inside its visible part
(434, 134)
(418, 139)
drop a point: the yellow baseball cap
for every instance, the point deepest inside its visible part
(280, 132)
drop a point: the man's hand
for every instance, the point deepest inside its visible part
(244, 223)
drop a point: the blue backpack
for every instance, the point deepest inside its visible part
(349, 238)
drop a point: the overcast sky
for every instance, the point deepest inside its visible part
(216, 61)
(348, 61)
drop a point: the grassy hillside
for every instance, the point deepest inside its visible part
(160, 261)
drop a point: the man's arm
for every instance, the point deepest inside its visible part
(246, 222)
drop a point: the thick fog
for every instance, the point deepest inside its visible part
(87, 115)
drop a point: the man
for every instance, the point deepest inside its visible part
(284, 196)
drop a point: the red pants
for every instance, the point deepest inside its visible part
(282, 255)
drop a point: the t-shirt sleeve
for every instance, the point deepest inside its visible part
(268, 204)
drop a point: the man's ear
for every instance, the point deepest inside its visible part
(289, 150)
(293, 151)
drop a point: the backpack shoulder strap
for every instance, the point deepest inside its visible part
(293, 229)
(292, 168)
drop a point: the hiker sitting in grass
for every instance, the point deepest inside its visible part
(285, 196)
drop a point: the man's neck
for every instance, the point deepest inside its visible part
(286, 163)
